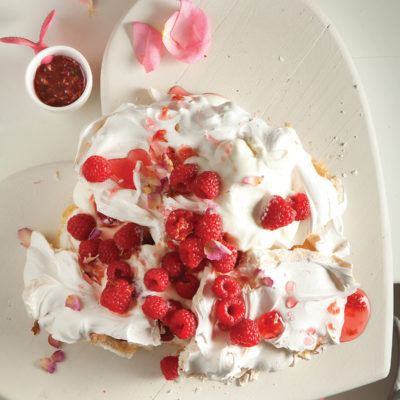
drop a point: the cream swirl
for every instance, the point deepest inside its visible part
(231, 142)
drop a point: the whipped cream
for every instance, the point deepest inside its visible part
(229, 141)
(319, 287)
(239, 147)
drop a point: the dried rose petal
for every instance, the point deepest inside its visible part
(94, 234)
(57, 356)
(53, 342)
(215, 250)
(147, 44)
(252, 180)
(24, 235)
(177, 90)
(153, 200)
(73, 302)
(186, 33)
(268, 281)
(47, 365)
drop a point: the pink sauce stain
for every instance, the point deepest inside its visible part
(291, 302)
(223, 158)
(310, 331)
(150, 124)
(212, 140)
(235, 169)
(309, 340)
(37, 182)
(291, 316)
(228, 148)
(290, 287)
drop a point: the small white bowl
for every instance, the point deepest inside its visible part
(64, 51)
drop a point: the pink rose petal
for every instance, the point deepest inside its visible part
(45, 26)
(186, 34)
(147, 44)
(215, 250)
(47, 365)
(268, 281)
(178, 91)
(57, 356)
(53, 342)
(252, 180)
(73, 302)
(24, 235)
(154, 200)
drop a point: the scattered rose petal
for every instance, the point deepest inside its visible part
(94, 234)
(73, 302)
(147, 44)
(153, 200)
(47, 60)
(212, 140)
(291, 302)
(267, 281)
(53, 342)
(186, 33)
(215, 250)
(211, 205)
(159, 136)
(40, 45)
(47, 365)
(57, 356)
(24, 235)
(150, 124)
(178, 91)
(90, 6)
(252, 180)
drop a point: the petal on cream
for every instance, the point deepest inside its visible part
(147, 44)
(186, 33)
(215, 250)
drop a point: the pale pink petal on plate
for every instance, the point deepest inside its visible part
(46, 25)
(24, 235)
(57, 356)
(215, 250)
(186, 34)
(147, 44)
(252, 180)
(47, 365)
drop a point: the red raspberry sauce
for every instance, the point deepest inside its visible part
(59, 83)
(356, 316)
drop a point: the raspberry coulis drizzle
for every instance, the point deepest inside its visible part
(356, 315)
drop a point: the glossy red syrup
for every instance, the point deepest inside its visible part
(356, 316)
(122, 168)
(60, 82)
(271, 325)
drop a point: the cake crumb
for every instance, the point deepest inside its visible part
(57, 175)
(354, 172)
(355, 86)
(36, 328)
(281, 59)
(344, 175)
(196, 389)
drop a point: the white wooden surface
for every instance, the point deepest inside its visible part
(31, 137)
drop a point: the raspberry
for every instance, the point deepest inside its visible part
(187, 286)
(117, 295)
(183, 324)
(96, 169)
(173, 305)
(299, 202)
(80, 226)
(154, 307)
(180, 223)
(156, 279)
(277, 214)
(227, 263)
(182, 176)
(226, 287)
(108, 251)
(191, 251)
(119, 270)
(207, 185)
(245, 333)
(169, 367)
(271, 325)
(172, 264)
(129, 236)
(209, 227)
(89, 248)
(230, 311)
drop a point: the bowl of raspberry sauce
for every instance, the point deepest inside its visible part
(59, 79)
